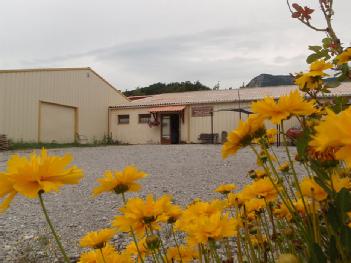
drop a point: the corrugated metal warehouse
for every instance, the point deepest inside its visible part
(55, 105)
(186, 117)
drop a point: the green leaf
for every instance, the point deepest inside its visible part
(340, 104)
(332, 250)
(334, 219)
(323, 53)
(343, 200)
(302, 143)
(315, 48)
(313, 57)
(345, 237)
(319, 169)
(326, 42)
(317, 255)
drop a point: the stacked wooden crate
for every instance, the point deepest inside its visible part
(4, 143)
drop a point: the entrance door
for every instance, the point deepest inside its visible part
(170, 129)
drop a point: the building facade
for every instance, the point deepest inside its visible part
(191, 117)
(55, 105)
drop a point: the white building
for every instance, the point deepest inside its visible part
(185, 117)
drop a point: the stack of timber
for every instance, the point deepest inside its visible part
(4, 143)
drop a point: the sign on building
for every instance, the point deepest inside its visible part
(201, 111)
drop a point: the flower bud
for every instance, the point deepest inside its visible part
(287, 258)
(153, 242)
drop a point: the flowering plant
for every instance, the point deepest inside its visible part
(281, 216)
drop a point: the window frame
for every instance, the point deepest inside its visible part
(123, 116)
(143, 115)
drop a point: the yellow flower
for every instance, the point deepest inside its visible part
(313, 78)
(289, 105)
(318, 66)
(235, 200)
(264, 188)
(225, 188)
(243, 135)
(132, 250)
(260, 173)
(171, 211)
(173, 214)
(187, 254)
(213, 227)
(281, 211)
(120, 181)
(196, 210)
(95, 256)
(334, 132)
(306, 81)
(338, 182)
(258, 240)
(254, 205)
(284, 167)
(139, 214)
(311, 189)
(271, 135)
(29, 176)
(7, 191)
(97, 239)
(344, 57)
(311, 208)
(119, 258)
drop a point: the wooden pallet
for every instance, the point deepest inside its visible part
(4, 143)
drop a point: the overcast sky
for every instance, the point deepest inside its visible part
(139, 42)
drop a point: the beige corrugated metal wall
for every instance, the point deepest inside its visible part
(79, 88)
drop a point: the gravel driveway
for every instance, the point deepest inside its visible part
(185, 171)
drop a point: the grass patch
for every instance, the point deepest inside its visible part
(29, 145)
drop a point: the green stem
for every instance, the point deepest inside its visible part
(176, 242)
(133, 235)
(66, 259)
(213, 249)
(162, 247)
(294, 173)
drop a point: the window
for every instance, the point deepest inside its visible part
(123, 119)
(144, 118)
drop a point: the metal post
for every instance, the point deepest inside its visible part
(212, 138)
(239, 103)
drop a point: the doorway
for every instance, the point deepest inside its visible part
(170, 132)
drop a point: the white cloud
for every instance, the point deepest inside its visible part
(135, 43)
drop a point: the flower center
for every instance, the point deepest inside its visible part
(149, 219)
(121, 188)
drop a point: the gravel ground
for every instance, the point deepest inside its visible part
(184, 171)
